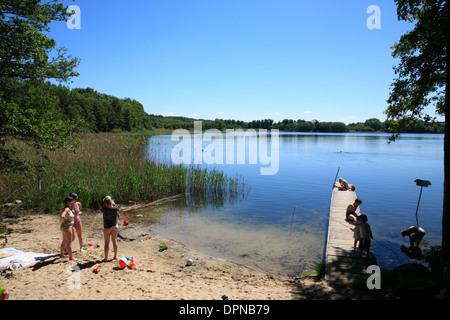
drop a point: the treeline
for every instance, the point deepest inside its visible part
(290, 125)
(370, 125)
(100, 112)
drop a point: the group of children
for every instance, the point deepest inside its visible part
(362, 232)
(71, 225)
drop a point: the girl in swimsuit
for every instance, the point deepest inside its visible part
(110, 226)
(66, 228)
(77, 227)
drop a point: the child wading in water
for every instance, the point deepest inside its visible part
(66, 228)
(110, 225)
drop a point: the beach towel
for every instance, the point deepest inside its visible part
(14, 259)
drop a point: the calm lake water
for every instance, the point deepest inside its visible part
(263, 231)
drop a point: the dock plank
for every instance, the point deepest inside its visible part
(342, 264)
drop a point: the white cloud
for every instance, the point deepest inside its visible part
(170, 114)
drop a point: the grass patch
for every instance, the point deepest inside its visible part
(319, 271)
(108, 164)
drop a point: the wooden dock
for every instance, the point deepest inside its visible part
(341, 263)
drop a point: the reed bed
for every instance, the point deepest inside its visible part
(110, 164)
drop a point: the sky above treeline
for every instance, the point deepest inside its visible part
(238, 59)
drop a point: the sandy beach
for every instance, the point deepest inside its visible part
(159, 275)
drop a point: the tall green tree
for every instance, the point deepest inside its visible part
(26, 50)
(423, 80)
(29, 57)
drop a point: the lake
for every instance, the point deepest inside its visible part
(267, 229)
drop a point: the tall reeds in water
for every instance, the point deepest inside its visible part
(110, 164)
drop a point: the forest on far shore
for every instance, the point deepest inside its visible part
(100, 112)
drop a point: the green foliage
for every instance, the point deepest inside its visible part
(422, 71)
(28, 112)
(290, 125)
(28, 57)
(102, 113)
(26, 51)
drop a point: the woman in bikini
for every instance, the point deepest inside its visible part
(77, 227)
(66, 228)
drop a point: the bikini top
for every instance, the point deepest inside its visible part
(71, 215)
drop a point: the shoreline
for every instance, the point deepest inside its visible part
(159, 275)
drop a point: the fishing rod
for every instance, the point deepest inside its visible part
(345, 225)
(339, 168)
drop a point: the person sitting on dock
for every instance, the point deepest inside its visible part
(351, 215)
(343, 185)
(417, 234)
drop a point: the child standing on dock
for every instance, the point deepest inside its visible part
(356, 235)
(363, 233)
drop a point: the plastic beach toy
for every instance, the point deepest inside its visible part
(96, 269)
(162, 246)
(189, 262)
(122, 262)
(132, 265)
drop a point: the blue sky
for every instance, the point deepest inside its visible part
(238, 59)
